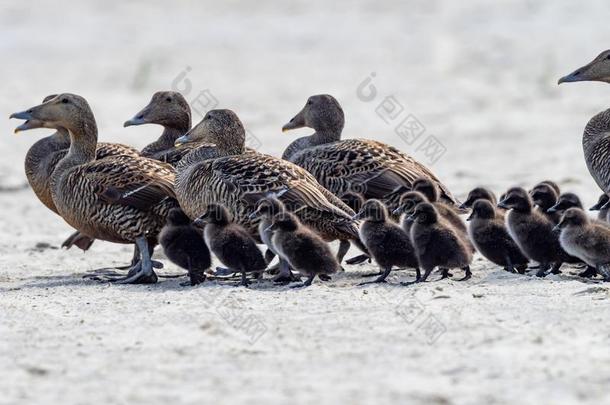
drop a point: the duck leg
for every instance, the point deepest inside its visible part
(143, 272)
(381, 278)
(285, 275)
(467, 275)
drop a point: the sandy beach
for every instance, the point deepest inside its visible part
(480, 78)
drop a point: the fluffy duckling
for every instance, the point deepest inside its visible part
(491, 238)
(306, 252)
(385, 240)
(544, 196)
(551, 184)
(438, 244)
(600, 206)
(266, 209)
(230, 242)
(586, 240)
(479, 193)
(429, 189)
(184, 245)
(532, 231)
(353, 200)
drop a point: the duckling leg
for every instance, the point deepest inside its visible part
(307, 282)
(604, 271)
(467, 275)
(381, 278)
(196, 276)
(509, 265)
(589, 272)
(555, 268)
(285, 275)
(358, 259)
(445, 274)
(144, 273)
(244, 280)
(269, 255)
(419, 278)
(542, 270)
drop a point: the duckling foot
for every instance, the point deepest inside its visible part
(381, 278)
(325, 277)
(358, 259)
(224, 272)
(307, 282)
(555, 268)
(542, 271)
(445, 274)
(588, 273)
(244, 280)
(195, 277)
(286, 278)
(467, 275)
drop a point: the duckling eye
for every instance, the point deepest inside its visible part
(168, 99)
(65, 100)
(309, 102)
(608, 57)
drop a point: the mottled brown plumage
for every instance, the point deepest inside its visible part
(371, 168)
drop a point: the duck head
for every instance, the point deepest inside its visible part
(167, 108)
(322, 112)
(516, 198)
(222, 128)
(482, 209)
(597, 70)
(372, 210)
(66, 110)
(424, 214)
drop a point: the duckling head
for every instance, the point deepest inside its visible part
(177, 217)
(167, 108)
(408, 202)
(482, 209)
(66, 110)
(573, 217)
(425, 214)
(214, 214)
(427, 188)
(372, 210)
(597, 70)
(478, 193)
(516, 198)
(544, 195)
(222, 128)
(284, 221)
(601, 201)
(268, 207)
(322, 112)
(353, 200)
(565, 201)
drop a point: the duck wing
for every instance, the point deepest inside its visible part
(369, 167)
(105, 149)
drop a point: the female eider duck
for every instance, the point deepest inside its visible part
(43, 156)
(385, 240)
(491, 238)
(306, 252)
(438, 244)
(586, 240)
(225, 174)
(230, 242)
(372, 168)
(121, 199)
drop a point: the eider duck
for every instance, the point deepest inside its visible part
(121, 199)
(266, 209)
(230, 242)
(438, 244)
(227, 175)
(386, 241)
(183, 244)
(586, 240)
(43, 156)
(532, 231)
(491, 238)
(371, 168)
(306, 252)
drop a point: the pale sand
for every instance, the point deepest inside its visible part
(481, 78)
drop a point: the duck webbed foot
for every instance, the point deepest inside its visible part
(142, 272)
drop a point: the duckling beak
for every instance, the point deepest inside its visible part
(557, 228)
(552, 209)
(411, 218)
(23, 115)
(269, 228)
(503, 204)
(605, 206)
(464, 205)
(596, 207)
(397, 211)
(298, 121)
(253, 215)
(199, 223)
(356, 217)
(470, 217)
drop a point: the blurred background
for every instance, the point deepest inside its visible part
(480, 77)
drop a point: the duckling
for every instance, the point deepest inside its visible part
(545, 196)
(586, 240)
(43, 156)
(437, 244)
(120, 199)
(369, 167)
(267, 208)
(602, 215)
(429, 189)
(238, 180)
(532, 231)
(353, 200)
(478, 193)
(306, 252)
(551, 184)
(385, 240)
(230, 242)
(565, 201)
(184, 245)
(491, 238)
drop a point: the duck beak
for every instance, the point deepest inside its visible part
(182, 140)
(572, 77)
(581, 75)
(137, 120)
(29, 121)
(298, 121)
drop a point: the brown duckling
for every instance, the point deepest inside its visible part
(306, 252)
(491, 238)
(586, 240)
(479, 193)
(121, 199)
(184, 245)
(532, 231)
(230, 242)
(602, 207)
(385, 240)
(545, 196)
(371, 168)
(437, 244)
(353, 200)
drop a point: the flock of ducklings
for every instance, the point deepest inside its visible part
(199, 190)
